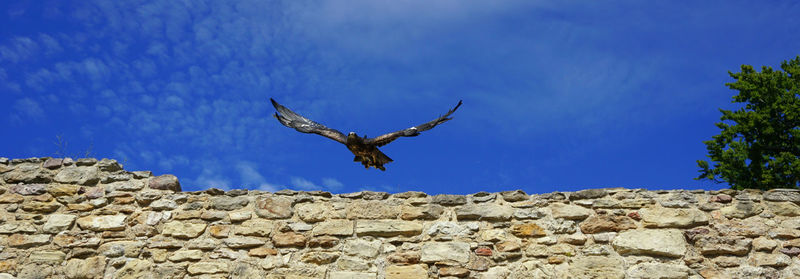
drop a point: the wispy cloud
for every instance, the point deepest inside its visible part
(304, 184)
(252, 179)
(205, 181)
(50, 44)
(245, 175)
(26, 109)
(332, 184)
(379, 188)
(18, 50)
(268, 187)
(327, 184)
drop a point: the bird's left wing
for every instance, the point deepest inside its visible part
(304, 125)
(413, 131)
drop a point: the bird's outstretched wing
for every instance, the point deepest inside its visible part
(304, 125)
(411, 132)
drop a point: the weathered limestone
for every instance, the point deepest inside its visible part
(659, 270)
(527, 230)
(229, 203)
(103, 223)
(78, 175)
(183, 229)
(27, 241)
(185, 255)
(92, 267)
(714, 245)
(487, 212)
(289, 239)
(742, 209)
(672, 218)
(47, 257)
(255, 227)
(89, 218)
(274, 207)
(371, 209)
(571, 212)
(444, 251)
(388, 228)
(597, 267)
(165, 182)
(208, 268)
(26, 173)
(668, 243)
(416, 271)
(607, 223)
(352, 275)
(334, 227)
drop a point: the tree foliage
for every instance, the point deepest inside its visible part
(759, 144)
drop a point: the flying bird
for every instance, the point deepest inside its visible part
(365, 149)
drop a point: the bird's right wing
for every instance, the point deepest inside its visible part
(413, 131)
(304, 125)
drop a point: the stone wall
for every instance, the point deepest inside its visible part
(92, 219)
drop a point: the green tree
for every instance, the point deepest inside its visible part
(759, 145)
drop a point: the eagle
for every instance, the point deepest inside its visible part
(365, 149)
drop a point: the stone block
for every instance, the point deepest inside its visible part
(362, 247)
(81, 175)
(336, 227)
(597, 267)
(254, 227)
(208, 268)
(673, 218)
(659, 271)
(570, 212)
(607, 223)
(484, 212)
(664, 243)
(102, 223)
(58, 222)
(416, 271)
(180, 229)
(273, 207)
(289, 239)
(445, 251)
(371, 210)
(165, 182)
(388, 228)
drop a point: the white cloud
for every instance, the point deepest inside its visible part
(170, 162)
(303, 184)
(328, 184)
(267, 187)
(174, 101)
(208, 178)
(145, 67)
(379, 188)
(251, 178)
(248, 173)
(332, 184)
(29, 109)
(40, 80)
(103, 111)
(64, 70)
(50, 44)
(95, 69)
(19, 50)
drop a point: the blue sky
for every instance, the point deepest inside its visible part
(558, 95)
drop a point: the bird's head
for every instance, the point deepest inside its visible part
(352, 135)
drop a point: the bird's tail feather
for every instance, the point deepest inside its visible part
(382, 158)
